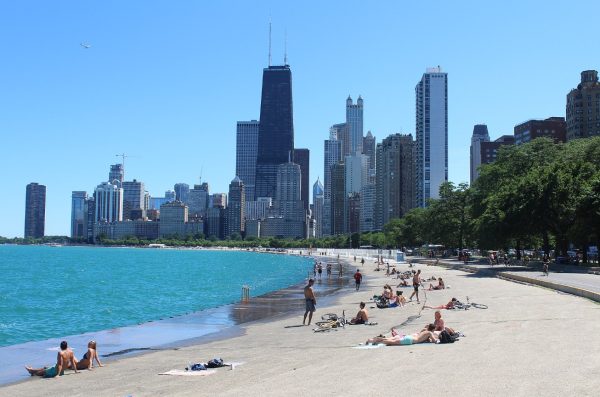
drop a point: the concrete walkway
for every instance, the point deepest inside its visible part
(584, 282)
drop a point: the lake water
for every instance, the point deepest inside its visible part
(50, 292)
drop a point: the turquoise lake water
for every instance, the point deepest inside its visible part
(48, 292)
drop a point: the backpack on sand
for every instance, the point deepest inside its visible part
(447, 337)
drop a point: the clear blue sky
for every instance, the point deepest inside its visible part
(166, 81)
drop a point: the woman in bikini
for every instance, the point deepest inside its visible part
(411, 339)
(448, 306)
(440, 285)
(90, 355)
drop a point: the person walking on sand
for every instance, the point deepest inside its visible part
(64, 359)
(310, 301)
(416, 284)
(357, 279)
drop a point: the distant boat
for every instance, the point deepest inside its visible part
(53, 244)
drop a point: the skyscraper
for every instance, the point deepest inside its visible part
(318, 200)
(108, 199)
(182, 192)
(369, 142)
(198, 200)
(583, 107)
(235, 208)
(394, 191)
(480, 134)
(341, 132)
(332, 155)
(354, 120)
(431, 134)
(338, 198)
(133, 198)
(245, 154)
(116, 176)
(276, 129)
(302, 158)
(35, 210)
(78, 226)
(367, 207)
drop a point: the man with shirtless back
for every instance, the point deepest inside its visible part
(310, 301)
(64, 359)
(416, 285)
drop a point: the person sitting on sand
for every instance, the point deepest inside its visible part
(439, 324)
(362, 316)
(440, 285)
(387, 292)
(401, 299)
(86, 361)
(64, 359)
(403, 283)
(411, 339)
(449, 305)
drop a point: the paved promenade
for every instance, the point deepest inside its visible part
(576, 280)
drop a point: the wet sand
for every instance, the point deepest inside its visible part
(167, 333)
(531, 341)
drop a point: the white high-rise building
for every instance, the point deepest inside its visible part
(245, 154)
(357, 172)
(431, 134)
(354, 121)
(318, 208)
(109, 203)
(480, 134)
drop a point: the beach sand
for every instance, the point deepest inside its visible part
(531, 341)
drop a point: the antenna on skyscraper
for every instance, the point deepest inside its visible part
(285, 49)
(200, 178)
(269, 41)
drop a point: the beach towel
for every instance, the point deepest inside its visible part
(361, 346)
(181, 372)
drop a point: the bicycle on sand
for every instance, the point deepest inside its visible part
(331, 321)
(468, 305)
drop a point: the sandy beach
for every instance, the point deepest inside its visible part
(531, 341)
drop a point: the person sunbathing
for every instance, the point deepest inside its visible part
(86, 361)
(439, 324)
(403, 283)
(398, 300)
(387, 292)
(449, 305)
(64, 359)
(440, 285)
(362, 316)
(410, 339)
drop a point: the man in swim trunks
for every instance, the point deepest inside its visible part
(310, 301)
(362, 316)
(416, 284)
(64, 359)
(357, 279)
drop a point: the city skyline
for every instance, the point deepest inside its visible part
(59, 96)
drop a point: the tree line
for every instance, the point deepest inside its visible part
(536, 195)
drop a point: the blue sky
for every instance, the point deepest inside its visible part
(165, 82)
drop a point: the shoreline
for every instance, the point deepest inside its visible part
(173, 332)
(520, 333)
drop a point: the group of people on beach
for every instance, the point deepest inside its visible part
(431, 333)
(65, 359)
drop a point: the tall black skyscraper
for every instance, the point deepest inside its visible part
(276, 130)
(35, 210)
(302, 158)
